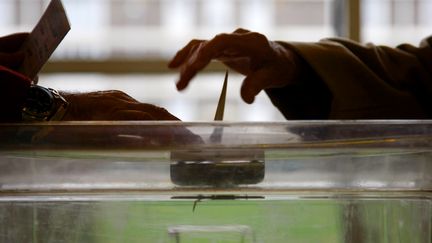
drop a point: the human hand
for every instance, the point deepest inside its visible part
(114, 105)
(10, 54)
(266, 64)
(111, 105)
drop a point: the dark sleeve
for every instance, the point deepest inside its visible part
(362, 81)
(13, 90)
(406, 67)
(308, 99)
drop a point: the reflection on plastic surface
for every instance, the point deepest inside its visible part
(336, 155)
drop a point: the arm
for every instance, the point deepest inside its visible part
(13, 85)
(102, 105)
(368, 81)
(332, 79)
(13, 90)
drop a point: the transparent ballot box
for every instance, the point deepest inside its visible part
(302, 181)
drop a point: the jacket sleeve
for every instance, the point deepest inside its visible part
(13, 90)
(364, 81)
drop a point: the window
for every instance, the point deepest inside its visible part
(135, 38)
(393, 22)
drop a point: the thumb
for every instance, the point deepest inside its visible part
(254, 83)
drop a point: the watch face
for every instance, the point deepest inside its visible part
(39, 102)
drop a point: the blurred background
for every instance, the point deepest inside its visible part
(126, 44)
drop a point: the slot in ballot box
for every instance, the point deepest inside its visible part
(302, 181)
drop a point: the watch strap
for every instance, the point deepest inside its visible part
(61, 104)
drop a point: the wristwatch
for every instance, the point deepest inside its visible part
(43, 104)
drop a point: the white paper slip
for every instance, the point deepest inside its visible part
(44, 39)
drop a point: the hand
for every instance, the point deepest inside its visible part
(266, 64)
(115, 105)
(111, 105)
(10, 54)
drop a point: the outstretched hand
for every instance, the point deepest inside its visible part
(114, 105)
(266, 64)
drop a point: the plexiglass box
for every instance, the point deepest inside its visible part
(303, 181)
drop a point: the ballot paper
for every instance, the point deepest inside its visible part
(221, 104)
(216, 136)
(44, 39)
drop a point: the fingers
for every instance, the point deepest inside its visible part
(117, 94)
(241, 31)
(158, 113)
(252, 85)
(132, 106)
(12, 43)
(197, 55)
(193, 64)
(249, 44)
(138, 111)
(111, 105)
(36, 79)
(130, 115)
(268, 77)
(181, 55)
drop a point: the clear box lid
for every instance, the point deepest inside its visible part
(178, 157)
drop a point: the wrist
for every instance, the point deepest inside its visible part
(292, 60)
(43, 104)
